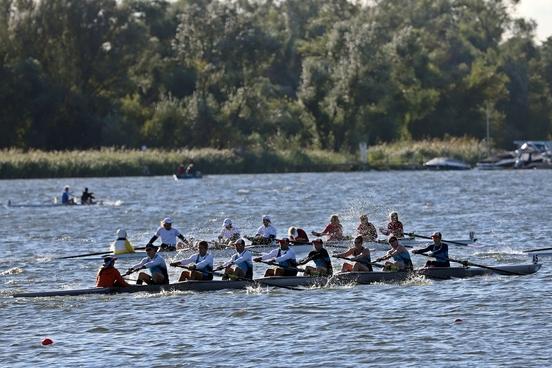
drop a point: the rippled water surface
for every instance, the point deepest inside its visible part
(505, 320)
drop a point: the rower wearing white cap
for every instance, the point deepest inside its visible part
(229, 232)
(168, 235)
(121, 245)
(283, 258)
(297, 235)
(201, 264)
(155, 264)
(266, 233)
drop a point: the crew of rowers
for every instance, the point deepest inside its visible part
(200, 266)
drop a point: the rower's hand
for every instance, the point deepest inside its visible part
(219, 268)
(175, 264)
(258, 259)
(129, 271)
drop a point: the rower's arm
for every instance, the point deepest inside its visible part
(285, 257)
(272, 254)
(181, 237)
(153, 238)
(206, 262)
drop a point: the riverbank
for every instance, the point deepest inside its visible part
(109, 162)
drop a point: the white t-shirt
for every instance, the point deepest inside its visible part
(266, 231)
(167, 236)
(229, 234)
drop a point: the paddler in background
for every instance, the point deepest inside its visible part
(366, 229)
(155, 264)
(242, 262)
(283, 258)
(229, 232)
(297, 235)
(87, 197)
(201, 264)
(108, 275)
(360, 255)
(266, 233)
(334, 230)
(319, 255)
(168, 235)
(401, 257)
(438, 249)
(394, 227)
(121, 245)
(66, 196)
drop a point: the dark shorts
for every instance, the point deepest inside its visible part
(289, 271)
(167, 248)
(437, 264)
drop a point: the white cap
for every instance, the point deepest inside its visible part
(227, 222)
(121, 233)
(167, 220)
(266, 217)
(292, 231)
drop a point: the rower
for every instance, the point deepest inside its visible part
(297, 235)
(401, 257)
(266, 233)
(108, 275)
(283, 258)
(319, 255)
(333, 230)
(66, 196)
(168, 235)
(87, 197)
(155, 264)
(200, 264)
(394, 227)
(361, 257)
(366, 229)
(121, 245)
(229, 232)
(242, 262)
(438, 249)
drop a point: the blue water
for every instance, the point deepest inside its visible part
(504, 320)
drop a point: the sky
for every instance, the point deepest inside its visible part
(541, 12)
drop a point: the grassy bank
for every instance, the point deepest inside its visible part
(118, 162)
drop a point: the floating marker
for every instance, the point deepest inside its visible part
(47, 341)
(458, 320)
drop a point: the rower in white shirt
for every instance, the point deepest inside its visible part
(201, 264)
(242, 262)
(168, 235)
(228, 232)
(156, 265)
(266, 233)
(283, 258)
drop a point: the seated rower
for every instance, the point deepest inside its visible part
(168, 235)
(361, 257)
(156, 266)
(367, 230)
(87, 197)
(394, 227)
(66, 196)
(121, 245)
(266, 233)
(201, 264)
(334, 230)
(438, 250)
(229, 232)
(283, 258)
(297, 235)
(108, 275)
(401, 257)
(319, 255)
(242, 262)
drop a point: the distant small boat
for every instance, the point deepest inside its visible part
(446, 163)
(197, 175)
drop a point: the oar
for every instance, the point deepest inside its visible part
(444, 241)
(468, 263)
(353, 260)
(95, 254)
(536, 250)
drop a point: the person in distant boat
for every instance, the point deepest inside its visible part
(191, 170)
(156, 266)
(297, 235)
(400, 255)
(121, 245)
(200, 264)
(334, 230)
(266, 233)
(240, 265)
(367, 230)
(168, 235)
(360, 256)
(66, 196)
(322, 261)
(394, 227)
(87, 197)
(108, 275)
(180, 170)
(438, 249)
(229, 232)
(283, 258)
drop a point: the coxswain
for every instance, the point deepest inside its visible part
(168, 235)
(297, 235)
(87, 197)
(367, 230)
(229, 232)
(66, 196)
(266, 233)
(283, 258)
(200, 264)
(108, 275)
(394, 227)
(400, 255)
(121, 245)
(156, 266)
(438, 249)
(319, 255)
(334, 230)
(360, 255)
(240, 265)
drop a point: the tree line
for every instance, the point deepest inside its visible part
(328, 74)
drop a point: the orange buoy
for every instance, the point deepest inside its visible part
(47, 341)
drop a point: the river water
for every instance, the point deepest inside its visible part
(505, 320)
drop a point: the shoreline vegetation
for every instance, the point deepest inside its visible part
(110, 162)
